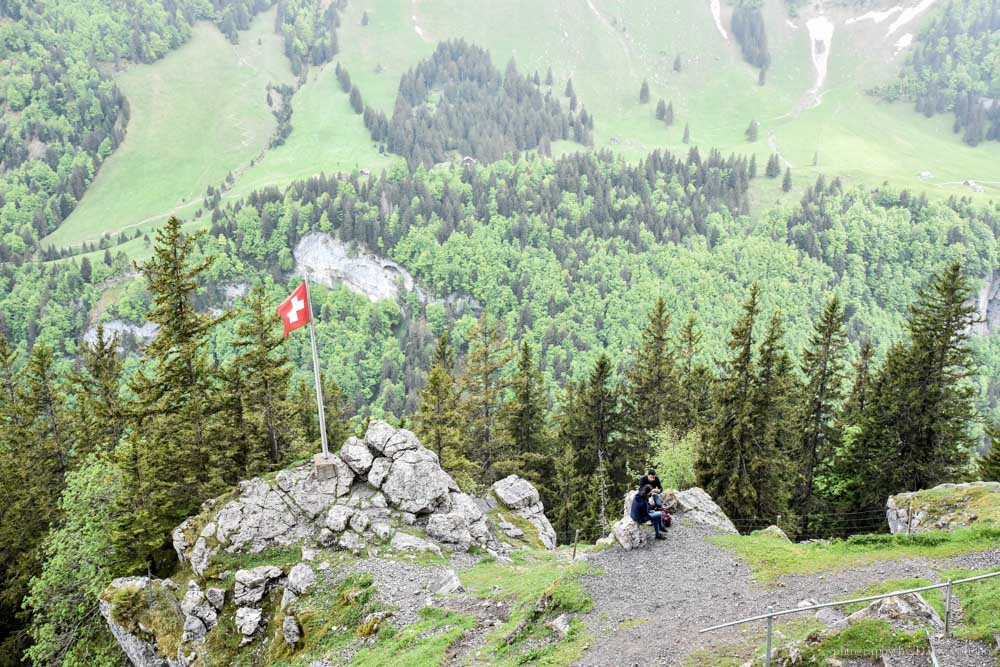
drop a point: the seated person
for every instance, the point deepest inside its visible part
(654, 481)
(641, 513)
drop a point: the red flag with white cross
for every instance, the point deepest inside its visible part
(295, 311)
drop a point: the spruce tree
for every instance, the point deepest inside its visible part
(687, 134)
(549, 79)
(100, 415)
(337, 410)
(752, 131)
(816, 425)
(661, 109)
(652, 392)
(179, 451)
(786, 182)
(668, 116)
(644, 92)
(569, 92)
(484, 388)
(436, 421)
(677, 63)
(694, 380)
(525, 416)
(264, 373)
(752, 169)
(773, 168)
(989, 466)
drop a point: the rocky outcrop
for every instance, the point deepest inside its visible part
(987, 305)
(138, 641)
(698, 506)
(329, 261)
(521, 498)
(629, 534)
(944, 507)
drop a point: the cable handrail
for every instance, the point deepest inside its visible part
(771, 615)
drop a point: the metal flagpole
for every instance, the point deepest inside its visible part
(319, 383)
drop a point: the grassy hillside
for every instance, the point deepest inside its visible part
(198, 114)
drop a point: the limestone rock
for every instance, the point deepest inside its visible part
(515, 493)
(944, 507)
(339, 517)
(251, 585)
(379, 470)
(216, 597)
(902, 611)
(629, 534)
(521, 497)
(407, 542)
(180, 541)
(699, 507)
(200, 615)
(351, 541)
(416, 483)
(288, 597)
(378, 434)
(381, 529)
(140, 652)
(446, 582)
(830, 616)
(451, 529)
(291, 630)
(301, 578)
(248, 620)
(357, 456)
(359, 522)
(560, 624)
(194, 629)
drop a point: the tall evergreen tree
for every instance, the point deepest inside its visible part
(179, 451)
(661, 109)
(694, 380)
(264, 372)
(920, 411)
(989, 466)
(668, 115)
(652, 393)
(525, 417)
(484, 386)
(100, 416)
(786, 182)
(817, 430)
(644, 92)
(687, 134)
(436, 421)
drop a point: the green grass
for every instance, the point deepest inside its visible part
(960, 502)
(539, 586)
(198, 114)
(980, 605)
(422, 644)
(771, 559)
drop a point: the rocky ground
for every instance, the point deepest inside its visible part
(650, 603)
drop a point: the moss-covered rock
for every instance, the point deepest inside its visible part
(944, 507)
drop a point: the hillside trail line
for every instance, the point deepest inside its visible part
(650, 603)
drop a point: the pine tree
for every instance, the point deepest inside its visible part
(920, 409)
(652, 392)
(740, 464)
(549, 79)
(525, 414)
(644, 92)
(786, 182)
(694, 380)
(100, 415)
(668, 116)
(816, 426)
(264, 372)
(337, 410)
(751, 132)
(594, 425)
(989, 466)
(484, 387)
(687, 134)
(569, 92)
(86, 270)
(436, 421)
(773, 169)
(752, 169)
(356, 103)
(661, 109)
(677, 63)
(179, 451)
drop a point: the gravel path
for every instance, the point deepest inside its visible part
(649, 604)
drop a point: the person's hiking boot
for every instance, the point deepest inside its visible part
(661, 536)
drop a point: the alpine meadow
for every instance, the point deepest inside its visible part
(438, 332)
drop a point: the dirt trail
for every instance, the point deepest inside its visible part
(650, 604)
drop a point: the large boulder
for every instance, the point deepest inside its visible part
(357, 456)
(943, 507)
(519, 496)
(141, 651)
(416, 483)
(629, 534)
(251, 585)
(698, 506)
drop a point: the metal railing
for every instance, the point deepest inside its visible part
(771, 615)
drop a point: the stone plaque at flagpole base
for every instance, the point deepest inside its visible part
(326, 467)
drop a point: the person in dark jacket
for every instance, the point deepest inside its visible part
(653, 481)
(641, 513)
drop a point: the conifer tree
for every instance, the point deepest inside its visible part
(651, 393)
(179, 451)
(569, 92)
(921, 406)
(549, 79)
(337, 410)
(752, 168)
(484, 386)
(436, 421)
(786, 183)
(677, 63)
(773, 168)
(751, 132)
(264, 373)
(100, 415)
(594, 425)
(668, 116)
(989, 466)
(816, 426)
(687, 134)
(694, 380)
(644, 92)
(525, 416)
(661, 109)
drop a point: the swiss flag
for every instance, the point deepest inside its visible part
(295, 311)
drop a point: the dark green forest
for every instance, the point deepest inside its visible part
(953, 70)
